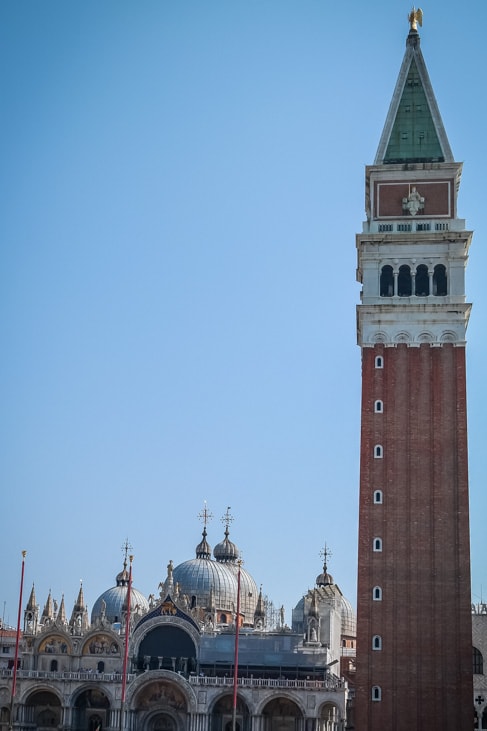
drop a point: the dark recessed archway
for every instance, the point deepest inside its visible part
(91, 711)
(43, 708)
(281, 714)
(167, 648)
(222, 715)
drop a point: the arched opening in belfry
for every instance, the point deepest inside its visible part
(422, 281)
(404, 285)
(439, 281)
(386, 281)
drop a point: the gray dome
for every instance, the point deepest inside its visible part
(249, 592)
(115, 599)
(214, 584)
(349, 623)
(201, 576)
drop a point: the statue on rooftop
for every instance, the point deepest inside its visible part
(415, 17)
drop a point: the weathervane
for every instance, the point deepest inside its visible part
(415, 17)
(227, 519)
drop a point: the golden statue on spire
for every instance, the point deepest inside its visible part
(415, 17)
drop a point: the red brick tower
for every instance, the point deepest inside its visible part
(414, 642)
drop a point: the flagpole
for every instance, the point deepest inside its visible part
(235, 664)
(17, 638)
(126, 649)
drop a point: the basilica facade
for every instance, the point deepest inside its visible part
(181, 655)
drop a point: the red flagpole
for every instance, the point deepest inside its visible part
(235, 664)
(17, 639)
(126, 653)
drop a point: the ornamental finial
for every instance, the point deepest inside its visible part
(415, 17)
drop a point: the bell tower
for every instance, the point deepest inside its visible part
(414, 642)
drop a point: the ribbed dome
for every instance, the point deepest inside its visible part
(208, 583)
(115, 599)
(200, 576)
(249, 592)
(349, 622)
(324, 579)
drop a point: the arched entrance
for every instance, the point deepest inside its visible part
(4, 718)
(282, 714)
(222, 715)
(160, 705)
(161, 722)
(330, 718)
(43, 709)
(91, 711)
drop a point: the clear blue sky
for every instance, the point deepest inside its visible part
(181, 184)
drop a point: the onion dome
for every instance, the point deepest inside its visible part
(226, 551)
(325, 579)
(111, 604)
(203, 549)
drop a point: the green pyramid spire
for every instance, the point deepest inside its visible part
(413, 131)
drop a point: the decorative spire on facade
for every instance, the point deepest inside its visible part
(48, 612)
(259, 614)
(79, 615)
(61, 615)
(31, 613)
(32, 602)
